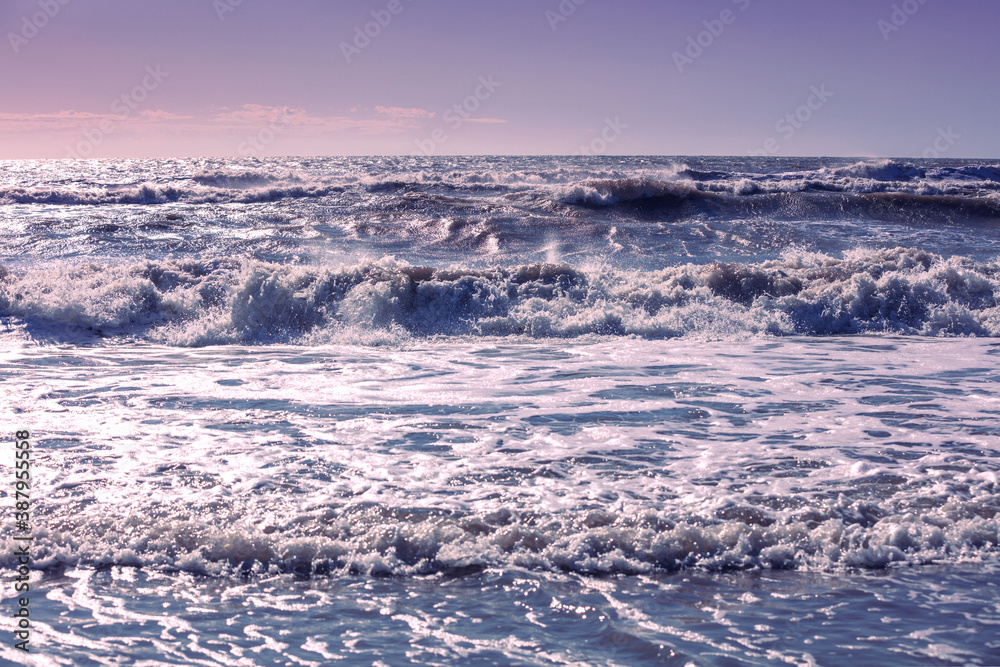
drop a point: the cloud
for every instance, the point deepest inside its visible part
(69, 120)
(250, 116)
(47, 122)
(246, 117)
(401, 112)
(159, 115)
(51, 133)
(253, 114)
(57, 116)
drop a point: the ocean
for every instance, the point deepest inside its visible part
(503, 410)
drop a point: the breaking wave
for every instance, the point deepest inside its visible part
(881, 189)
(241, 179)
(192, 303)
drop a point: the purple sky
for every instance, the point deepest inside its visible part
(103, 78)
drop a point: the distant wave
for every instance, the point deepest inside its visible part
(241, 179)
(891, 197)
(617, 191)
(859, 178)
(234, 192)
(881, 170)
(899, 291)
(882, 190)
(893, 171)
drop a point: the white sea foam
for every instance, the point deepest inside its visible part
(536, 370)
(589, 457)
(904, 291)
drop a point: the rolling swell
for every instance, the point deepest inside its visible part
(881, 190)
(898, 291)
(804, 199)
(149, 194)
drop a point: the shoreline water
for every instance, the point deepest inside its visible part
(637, 426)
(921, 615)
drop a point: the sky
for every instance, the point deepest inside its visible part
(191, 78)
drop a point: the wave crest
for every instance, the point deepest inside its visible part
(899, 291)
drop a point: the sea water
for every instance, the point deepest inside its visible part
(506, 410)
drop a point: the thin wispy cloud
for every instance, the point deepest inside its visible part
(400, 112)
(228, 127)
(384, 118)
(684, 78)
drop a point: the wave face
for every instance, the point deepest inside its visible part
(896, 291)
(635, 214)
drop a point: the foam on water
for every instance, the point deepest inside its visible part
(634, 409)
(459, 457)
